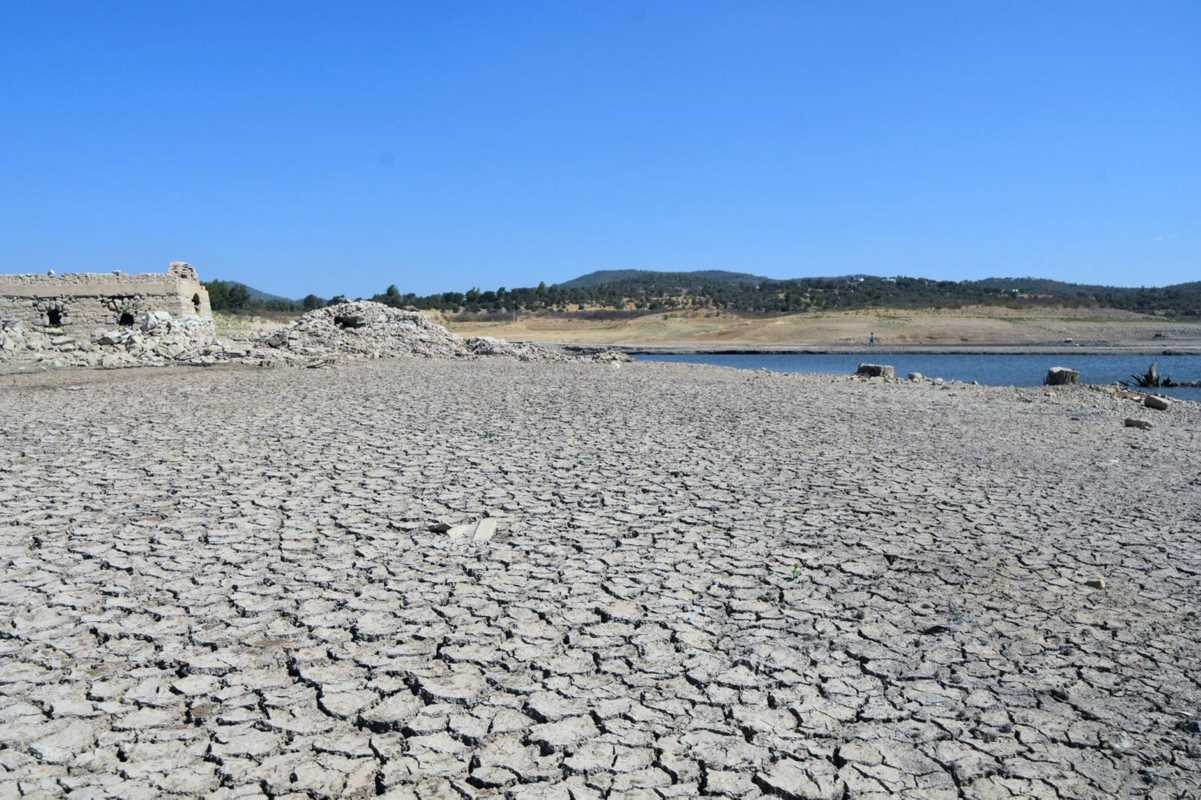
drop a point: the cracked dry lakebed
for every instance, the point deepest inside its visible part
(431, 579)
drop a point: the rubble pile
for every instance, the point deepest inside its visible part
(363, 329)
(154, 339)
(12, 337)
(522, 351)
(366, 329)
(344, 332)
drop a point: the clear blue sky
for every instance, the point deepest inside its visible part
(340, 147)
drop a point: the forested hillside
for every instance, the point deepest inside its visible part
(658, 291)
(636, 291)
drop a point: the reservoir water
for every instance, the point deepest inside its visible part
(992, 369)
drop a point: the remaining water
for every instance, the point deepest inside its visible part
(997, 370)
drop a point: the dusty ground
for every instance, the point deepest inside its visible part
(247, 326)
(971, 327)
(704, 582)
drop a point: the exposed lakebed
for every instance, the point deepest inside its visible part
(486, 578)
(988, 369)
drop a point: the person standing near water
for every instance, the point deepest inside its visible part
(871, 339)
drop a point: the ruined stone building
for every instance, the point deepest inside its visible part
(83, 301)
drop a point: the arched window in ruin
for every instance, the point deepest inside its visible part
(196, 303)
(54, 317)
(126, 320)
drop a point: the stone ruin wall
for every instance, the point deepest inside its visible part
(86, 300)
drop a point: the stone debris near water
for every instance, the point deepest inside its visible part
(1060, 376)
(522, 351)
(264, 583)
(1155, 402)
(886, 371)
(615, 356)
(350, 331)
(1141, 424)
(916, 376)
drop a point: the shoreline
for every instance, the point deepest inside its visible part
(963, 350)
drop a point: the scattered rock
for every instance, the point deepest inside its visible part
(1155, 402)
(1141, 424)
(484, 531)
(916, 376)
(522, 351)
(886, 371)
(613, 356)
(1096, 583)
(1059, 376)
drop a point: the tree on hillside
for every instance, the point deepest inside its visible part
(227, 296)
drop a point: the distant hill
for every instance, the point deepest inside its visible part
(633, 291)
(606, 277)
(258, 296)
(235, 296)
(1053, 288)
(1043, 286)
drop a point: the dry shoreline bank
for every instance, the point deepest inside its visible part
(929, 331)
(965, 331)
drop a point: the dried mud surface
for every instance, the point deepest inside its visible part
(693, 582)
